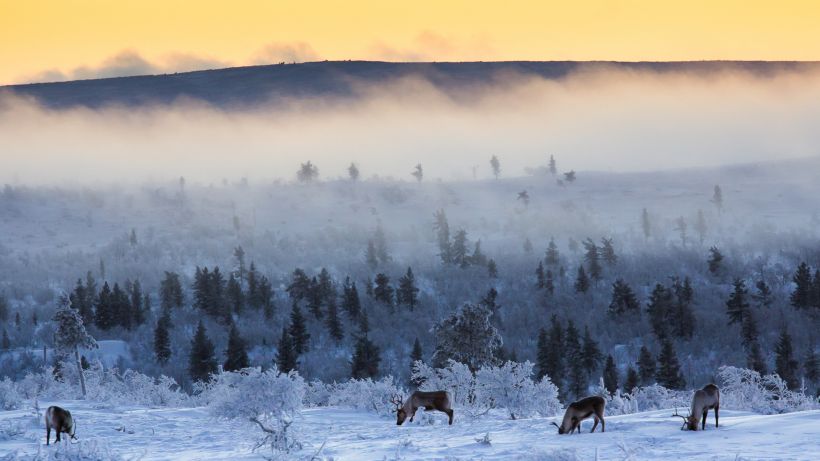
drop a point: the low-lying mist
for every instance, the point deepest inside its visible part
(601, 120)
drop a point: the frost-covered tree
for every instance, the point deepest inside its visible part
(680, 227)
(353, 172)
(459, 249)
(299, 287)
(418, 172)
(552, 166)
(540, 276)
(236, 355)
(467, 336)
(510, 386)
(270, 400)
(202, 358)
(496, 166)
(70, 335)
(308, 172)
(370, 255)
(380, 243)
(700, 226)
(717, 198)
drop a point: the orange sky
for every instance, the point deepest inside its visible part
(77, 38)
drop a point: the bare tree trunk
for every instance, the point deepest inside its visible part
(80, 369)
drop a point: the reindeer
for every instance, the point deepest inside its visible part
(436, 400)
(61, 421)
(581, 410)
(704, 400)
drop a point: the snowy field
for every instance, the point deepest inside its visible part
(343, 434)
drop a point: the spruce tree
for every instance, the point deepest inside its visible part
(496, 166)
(162, 339)
(121, 307)
(170, 291)
(540, 276)
(573, 351)
(202, 359)
(581, 281)
(683, 318)
(552, 166)
(633, 380)
(416, 355)
(669, 374)
(366, 355)
(314, 299)
(552, 258)
(801, 297)
(591, 355)
(236, 354)
(811, 367)
(459, 249)
(646, 366)
(736, 305)
(610, 375)
(235, 296)
(334, 325)
(4, 307)
(350, 299)
(623, 299)
(700, 226)
(104, 316)
(138, 308)
(299, 287)
(407, 292)
(492, 269)
(383, 292)
(763, 294)
(715, 260)
(755, 359)
(549, 284)
(786, 365)
(608, 252)
(592, 257)
(80, 298)
(658, 308)
(6, 340)
(298, 331)
(542, 364)
(286, 357)
(555, 352)
(380, 242)
(442, 229)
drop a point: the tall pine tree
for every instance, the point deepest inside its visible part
(202, 359)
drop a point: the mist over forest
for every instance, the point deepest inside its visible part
(653, 217)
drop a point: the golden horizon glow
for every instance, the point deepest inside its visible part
(38, 36)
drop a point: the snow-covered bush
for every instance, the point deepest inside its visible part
(511, 387)
(271, 400)
(366, 394)
(10, 398)
(317, 394)
(744, 389)
(457, 379)
(656, 397)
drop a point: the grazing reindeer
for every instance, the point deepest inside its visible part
(436, 400)
(61, 421)
(704, 400)
(581, 410)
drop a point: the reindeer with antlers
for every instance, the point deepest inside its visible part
(703, 400)
(436, 400)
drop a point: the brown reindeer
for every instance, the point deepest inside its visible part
(581, 410)
(704, 400)
(61, 421)
(436, 400)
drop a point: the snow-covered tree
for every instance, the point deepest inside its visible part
(467, 336)
(70, 335)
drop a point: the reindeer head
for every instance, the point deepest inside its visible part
(561, 429)
(401, 414)
(690, 421)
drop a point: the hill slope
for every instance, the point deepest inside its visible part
(240, 87)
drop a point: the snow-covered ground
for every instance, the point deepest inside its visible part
(343, 434)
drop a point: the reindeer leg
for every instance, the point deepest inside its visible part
(716, 415)
(48, 434)
(450, 416)
(703, 423)
(594, 425)
(58, 434)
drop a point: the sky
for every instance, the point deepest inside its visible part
(68, 39)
